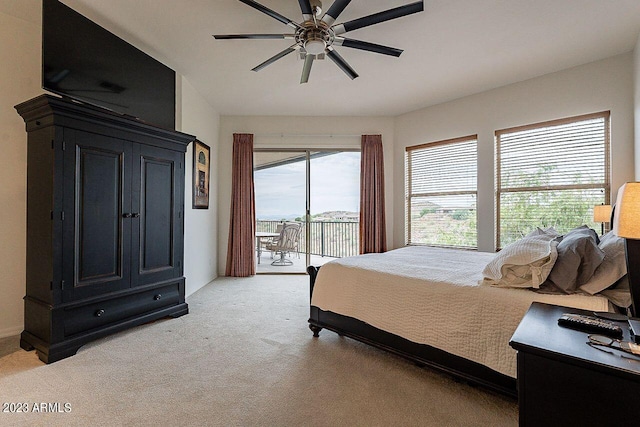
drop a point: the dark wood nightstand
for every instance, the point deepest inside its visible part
(565, 382)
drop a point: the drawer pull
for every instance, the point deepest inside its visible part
(157, 297)
(99, 313)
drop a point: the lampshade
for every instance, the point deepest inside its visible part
(602, 213)
(627, 214)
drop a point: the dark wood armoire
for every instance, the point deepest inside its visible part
(105, 224)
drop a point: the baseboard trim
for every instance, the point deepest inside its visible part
(9, 332)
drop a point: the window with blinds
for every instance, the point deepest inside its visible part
(441, 191)
(551, 174)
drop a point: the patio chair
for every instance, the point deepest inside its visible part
(271, 241)
(274, 240)
(285, 243)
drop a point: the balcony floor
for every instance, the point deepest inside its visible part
(299, 264)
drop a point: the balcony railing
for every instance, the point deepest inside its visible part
(332, 239)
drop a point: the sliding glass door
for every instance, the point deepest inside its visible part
(335, 202)
(315, 190)
(280, 182)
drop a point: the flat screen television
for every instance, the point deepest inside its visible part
(85, 62)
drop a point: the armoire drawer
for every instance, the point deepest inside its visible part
(87, 317)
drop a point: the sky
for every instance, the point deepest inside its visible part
(335, 186)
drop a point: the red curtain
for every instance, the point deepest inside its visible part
(240, 261)
(373, 235)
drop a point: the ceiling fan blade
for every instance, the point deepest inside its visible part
(340, 62)
(275, 58)
(306, 70)
(334, 11)
(379, 17)
(253, 36)
(305, 7)
(371, 47)
(271, 13)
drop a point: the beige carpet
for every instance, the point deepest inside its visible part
(243, 356)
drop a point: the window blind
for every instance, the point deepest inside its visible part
(441, 191)
(551, 174)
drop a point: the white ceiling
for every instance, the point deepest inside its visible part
(452, 49)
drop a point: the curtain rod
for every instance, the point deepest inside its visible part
(293, 135)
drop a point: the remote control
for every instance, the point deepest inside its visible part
(589, 324)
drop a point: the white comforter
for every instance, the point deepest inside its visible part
(432, 296)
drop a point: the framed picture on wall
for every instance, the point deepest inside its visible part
(201, 174)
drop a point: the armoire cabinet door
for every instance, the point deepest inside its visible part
(157, 241)
(96, 234)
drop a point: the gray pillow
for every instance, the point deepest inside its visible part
(578, 258)
(613, 267)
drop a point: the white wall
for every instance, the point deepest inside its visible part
(19, 81)
(266, 130)
(196, 117)
(636, 74)
(594, 87)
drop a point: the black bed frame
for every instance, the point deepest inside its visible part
(421, 354)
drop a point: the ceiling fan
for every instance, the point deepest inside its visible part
(318, 34)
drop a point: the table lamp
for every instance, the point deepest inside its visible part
(626, 224)
(602, 214)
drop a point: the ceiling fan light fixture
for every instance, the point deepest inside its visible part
(315, 46)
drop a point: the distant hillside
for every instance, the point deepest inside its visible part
(324, 216)
(289, 217)
(336, 216)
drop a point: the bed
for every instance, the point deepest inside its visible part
(427, 304)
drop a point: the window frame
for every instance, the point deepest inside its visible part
(409, 195)
(606, 115)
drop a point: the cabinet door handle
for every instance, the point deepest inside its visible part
(135, 215)
(157, 297)
(99, 313)
(126, 215)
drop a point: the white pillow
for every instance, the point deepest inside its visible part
(523, 264)
(613, 266)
